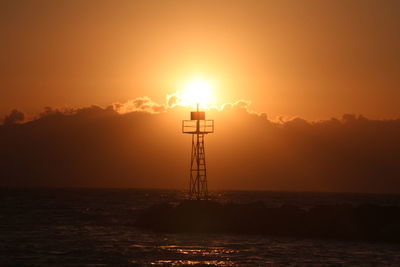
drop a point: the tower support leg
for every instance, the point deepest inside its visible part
(198, 173)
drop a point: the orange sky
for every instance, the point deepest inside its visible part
(312, 59)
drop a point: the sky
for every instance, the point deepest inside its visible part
(312, 59)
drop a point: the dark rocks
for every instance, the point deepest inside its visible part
(365, 222)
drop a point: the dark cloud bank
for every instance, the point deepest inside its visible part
(99, 147)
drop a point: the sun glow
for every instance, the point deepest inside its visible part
(196, 91)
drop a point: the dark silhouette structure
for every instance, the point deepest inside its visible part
(198, 127)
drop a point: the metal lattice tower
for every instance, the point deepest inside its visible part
(198, 127)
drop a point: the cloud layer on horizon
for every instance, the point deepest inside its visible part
(138, 144)
(140, 104)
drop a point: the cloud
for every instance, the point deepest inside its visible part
(241, 104)
(50, 111)
(172, 100)
(139, 144)
(14, 117)
(146, 104)
(140, 104)
(92, 111)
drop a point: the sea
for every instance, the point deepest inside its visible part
(94, 227)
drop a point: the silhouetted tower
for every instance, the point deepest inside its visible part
(198, 127)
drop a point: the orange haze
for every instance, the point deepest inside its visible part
(313, 59)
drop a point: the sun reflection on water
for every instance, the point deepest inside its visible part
(192, 262)
(198, 256)
(218, 251)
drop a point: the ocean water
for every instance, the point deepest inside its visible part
(94, 227)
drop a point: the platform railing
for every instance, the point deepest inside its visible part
(190, 126)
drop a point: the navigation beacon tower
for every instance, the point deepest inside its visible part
(198, 127)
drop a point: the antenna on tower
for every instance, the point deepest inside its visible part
(198, 127)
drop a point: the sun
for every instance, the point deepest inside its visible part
(196, 91)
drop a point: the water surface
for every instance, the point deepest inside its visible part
(93, 227)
